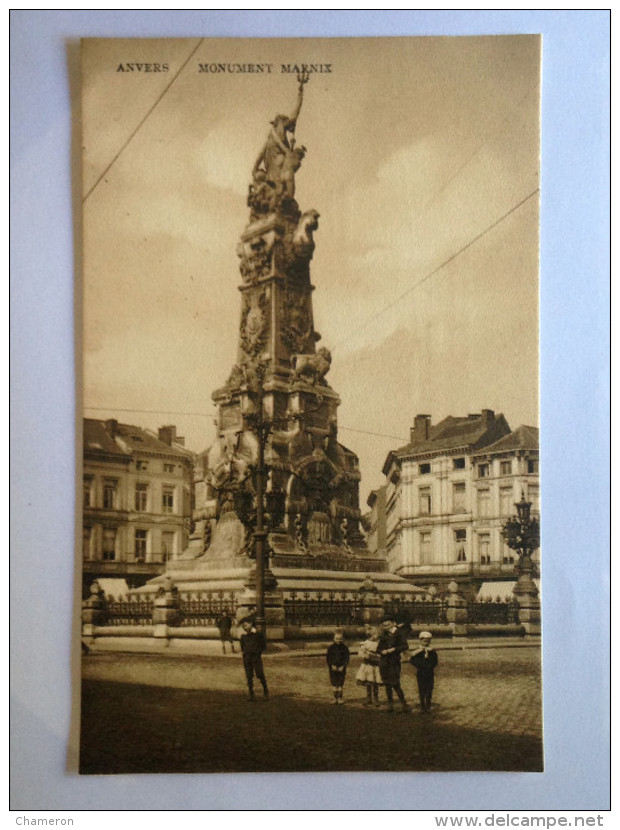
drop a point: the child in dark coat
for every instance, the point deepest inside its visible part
(424, 659)
(337, 662)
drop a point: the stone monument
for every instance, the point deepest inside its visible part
(278, 394)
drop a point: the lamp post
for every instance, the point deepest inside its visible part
(522, 534)
(262, 510)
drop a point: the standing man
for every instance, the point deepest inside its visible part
(392, 643)
(252, 647)
(224, 624)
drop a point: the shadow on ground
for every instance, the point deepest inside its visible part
(132, 728)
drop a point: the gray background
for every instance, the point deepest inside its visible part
(574, 422)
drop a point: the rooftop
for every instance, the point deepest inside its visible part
(113, 438)
(470, 432)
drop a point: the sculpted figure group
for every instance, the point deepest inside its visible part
(273, 174)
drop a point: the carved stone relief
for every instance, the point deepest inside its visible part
(254, 323)
(296, 322)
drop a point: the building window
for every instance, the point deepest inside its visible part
(424, 502)
(168, 468)
(460, 538)
(86, 537)
(110, 489)
(534, 497)
(142, 465)
(88, 492)
(505, 468)
(506, 501)
(458, 464)
(109, 544)
(483, 470)
(532, 466)
(458, 497)
(167, 500)
(508, 556)
(167, 545)
(484, 502)
(426, 553)
(140, 544)
(141, 498)
(424, 469)
(484, 548)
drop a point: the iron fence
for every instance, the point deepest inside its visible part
(417, 612)
(330, 609)
(493, 612)
(129, 610)
(205, 607)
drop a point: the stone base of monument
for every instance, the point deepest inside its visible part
(291, 583)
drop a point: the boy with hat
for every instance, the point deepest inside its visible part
(424, 660)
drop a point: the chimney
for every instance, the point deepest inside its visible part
(167, 434)
(111, 426)
(488, 417)
(420, 430)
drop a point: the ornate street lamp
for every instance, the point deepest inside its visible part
(522, 534)
(251, 508)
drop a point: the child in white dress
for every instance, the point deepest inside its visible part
(368, 674)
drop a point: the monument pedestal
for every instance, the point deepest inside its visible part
(456, 612)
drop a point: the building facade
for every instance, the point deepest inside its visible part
(136, 500)
(448, 493)
(375, 522)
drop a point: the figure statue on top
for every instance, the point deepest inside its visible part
(273, 174)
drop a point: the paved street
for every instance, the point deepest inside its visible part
(175, 713)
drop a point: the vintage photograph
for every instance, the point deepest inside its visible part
(310, 495)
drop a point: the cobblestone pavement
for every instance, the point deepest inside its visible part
(494, 689)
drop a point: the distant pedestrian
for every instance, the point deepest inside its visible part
(337, 661)
(368, 674)
(224, 624)
(392, 643)
(424, 660)
(252, 647)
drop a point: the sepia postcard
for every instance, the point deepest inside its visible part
(310, 496)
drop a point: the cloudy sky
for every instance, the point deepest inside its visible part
(423, 161)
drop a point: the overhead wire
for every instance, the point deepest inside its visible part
(441, 266)
(148, 113)
(210, 415)
(430, 202)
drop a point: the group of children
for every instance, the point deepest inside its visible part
(381, 665)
